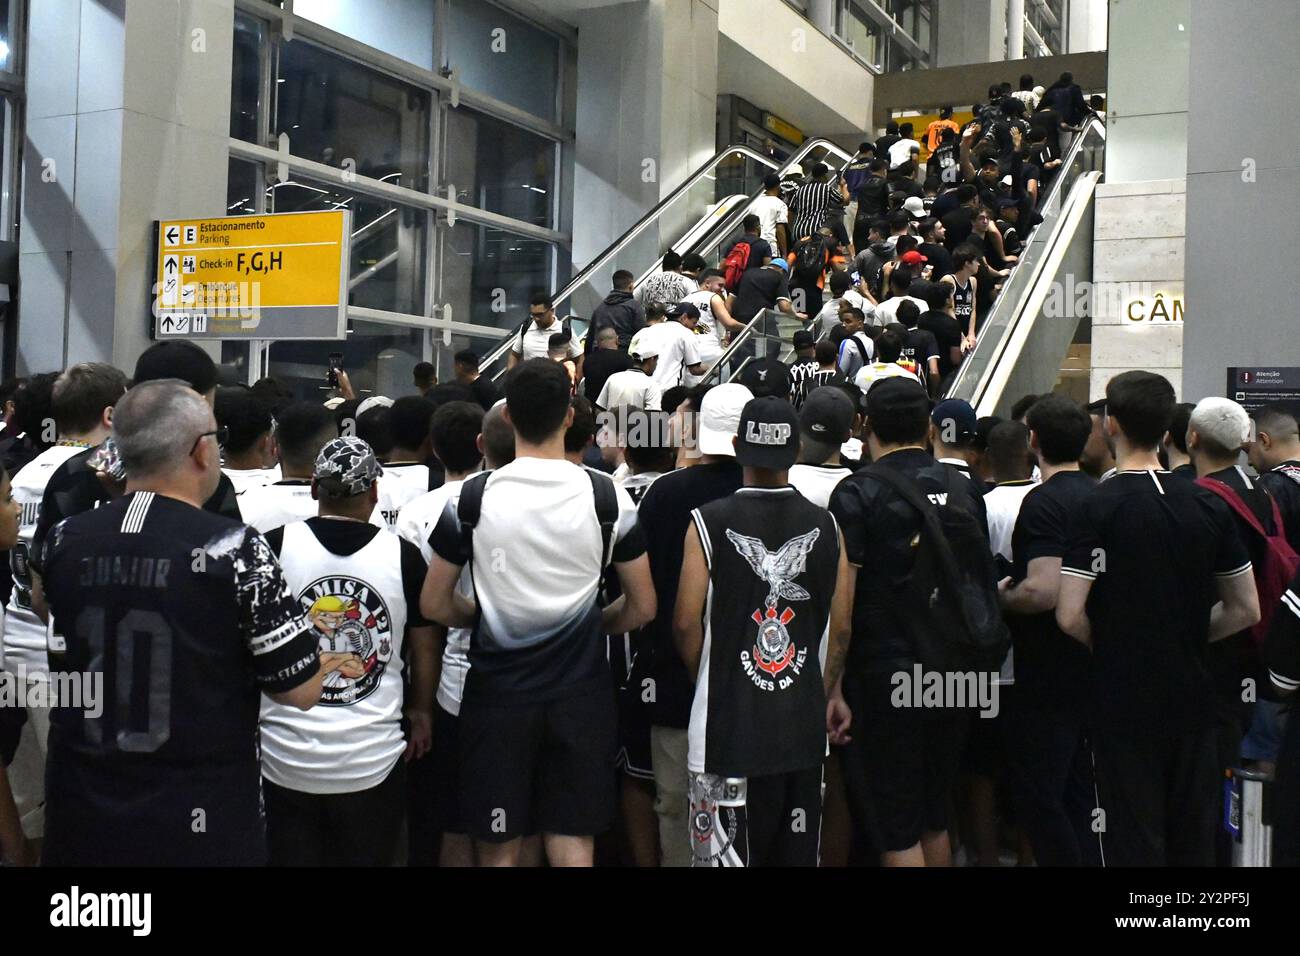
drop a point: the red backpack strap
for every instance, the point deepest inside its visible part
(1236, 504)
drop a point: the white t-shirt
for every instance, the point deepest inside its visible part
(244, 478)
(901, 152)
(887, 311)
(356, 603)
(273, 506)
(868, 375)
(816, 482)
(829, 316)
(415, 523)
(678, 348)
(398, 485)
(537, 342)
(1002, 503)
(631, 388)
(770, 210)
(24, 642)
(668, 288)
(537, 551)
(708, 327)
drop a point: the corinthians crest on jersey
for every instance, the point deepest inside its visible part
(774, 661)
(349, 617)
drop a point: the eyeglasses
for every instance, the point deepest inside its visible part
(221, 434)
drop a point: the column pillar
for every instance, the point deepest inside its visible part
(128, 114)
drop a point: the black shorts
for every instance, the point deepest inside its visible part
(900, 765)
(634, 726)
(1162, 797)
(538, 768)
(445, 758)
(756, 821)
(361, 828)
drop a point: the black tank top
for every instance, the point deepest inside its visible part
(760, 708)
(962, 300)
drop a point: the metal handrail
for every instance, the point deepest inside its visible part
(1054, 196)
(654, 213)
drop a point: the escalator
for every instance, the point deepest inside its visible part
(1025, 337)
(1021, 342)
(709, 225)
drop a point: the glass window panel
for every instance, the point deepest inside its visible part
(246, 72)
(488, 275)
(388, 243)
(860, 32)
(497, 53)
(241, 188)
(500, 168)
(379, 360)
(400, 28)
(335, 110)
(6, 34)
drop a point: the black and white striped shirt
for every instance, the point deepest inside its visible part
(809, 208)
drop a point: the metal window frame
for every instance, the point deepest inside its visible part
(891, 29)
(400, 69)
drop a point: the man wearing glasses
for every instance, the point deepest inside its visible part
(534, 339)
(181, 620)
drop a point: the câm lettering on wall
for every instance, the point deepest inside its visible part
(1158, 308)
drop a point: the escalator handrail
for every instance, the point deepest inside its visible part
(1085, 183)
(1071, 154)
(656, 211)
(725, 228)
(736, 342)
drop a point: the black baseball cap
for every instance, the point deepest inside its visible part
(683, 308)
(895, 395)
(961, 416)
(803, 339)
(768, 436)
(182, 360)
(766, 376)
(827, 415)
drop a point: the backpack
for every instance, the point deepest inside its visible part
(470, 507)
(959, 626)
(1280, 560)
(809, 260)
(736, 263)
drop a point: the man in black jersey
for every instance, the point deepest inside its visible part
(901, 761)
(765, 597)
(1275, 454)
(81, 482)
(187, 620)
(1148, 557)
(1045, 727)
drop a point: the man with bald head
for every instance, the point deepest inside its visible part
(182, 619)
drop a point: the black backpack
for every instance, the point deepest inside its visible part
(954, 617)
(809, 260)
(470, 507)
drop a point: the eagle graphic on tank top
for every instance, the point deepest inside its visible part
(773, 649)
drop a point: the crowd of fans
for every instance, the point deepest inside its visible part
(604, 611)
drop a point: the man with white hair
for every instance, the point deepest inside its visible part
(184, 618)
(1216, 433)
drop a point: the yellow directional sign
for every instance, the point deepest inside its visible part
(277, 276)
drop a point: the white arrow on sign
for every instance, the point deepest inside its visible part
(171, 281)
